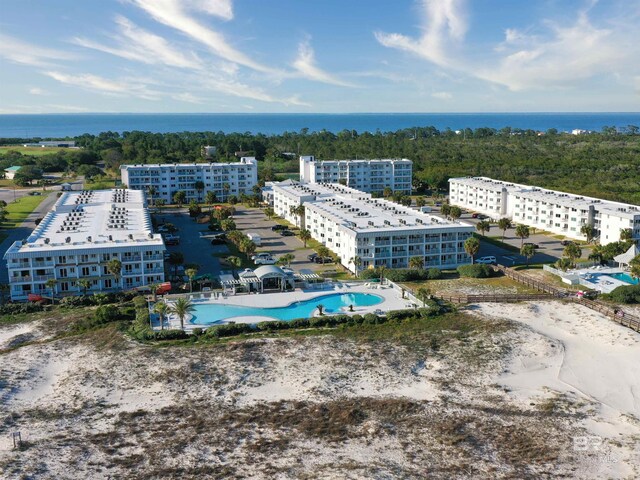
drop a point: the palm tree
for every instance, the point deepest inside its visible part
(416, 262)
(635, 266)
(528, 251)
(151, 191)
(225, 189)
(181, 308)
(210, 198)
(298, 212)
(85, 285)
(472, 246)
(423, 294)
(483, 226)
(320, 308)
(179, 198)
(191, 273)
(587, 231)
(269, 212)
(522, 231)
(175, 259)
(228, 224)
(563, 264)
(286, 259)
(445, 209)
(161, 309)
(114, 267)
(305, 236)
(248, 247)
(51, 285)
(572, 252)
(504, 224)
(235, 262)
(199, 186)
(154, 290)
(357, 262)
(626, 234)
(597, 254)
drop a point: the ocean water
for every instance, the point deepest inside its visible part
(62, 125)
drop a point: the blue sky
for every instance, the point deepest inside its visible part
(324, 56)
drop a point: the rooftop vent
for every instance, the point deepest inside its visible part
(68, 239)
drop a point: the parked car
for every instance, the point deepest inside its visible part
(163, 229)
(171, 239)
(312, 257)
(564, 243)
(265, 261)
(35, 194)
(474, 215)
(488, 260)
(535, 245)
(323, 260)
(278, 227)
(287, 233)
(260, 255)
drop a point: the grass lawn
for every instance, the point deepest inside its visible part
(32, 151)
(18, 211)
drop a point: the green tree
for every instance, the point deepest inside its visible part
(179, 198)
(234, 262)
(472, 247)
(298, 212)
(85, 285)
(161, 309)
(597, 254)
(305, 236)
(528, 251)
(194, 209)
(26, 175)
(563, 264)
(247, 247)
(175, 260)
(114, 267)
(191, 273)
(626, 234)
(51, 285)
(504, 224)
(455, 213)
(286, 259)
(445, 210)
(416, 262)
(269, 212)
(483, 226)
(420, 202)
(228, 224)
(572, 251)
(357, 263)
(634, 264)
(324, 251)
(181, 308)
(522, 232)
(225, 190)
(423, 293)
(387, 192)
(320, 308)
(210, 198)
(151, 191)
(199, 186)
(587, 231)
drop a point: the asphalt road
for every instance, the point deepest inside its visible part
(24, 230)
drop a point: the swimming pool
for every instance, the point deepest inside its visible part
(625, 277)
(210, 313)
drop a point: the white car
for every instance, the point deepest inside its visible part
(260, 255)
(264, 261)
(490, 260)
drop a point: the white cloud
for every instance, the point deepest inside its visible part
(25, 53)
(559, 56)
(219, 8)
(444, 23)
(187, 97)
(104, 85)
(305, 64)
(173, 14)
(37, 91)
(442, 95)
(143, 46)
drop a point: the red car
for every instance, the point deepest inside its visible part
(474, 215)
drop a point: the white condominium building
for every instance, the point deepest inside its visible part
(371, 176)
(223, 179)
(381, 233)
(76, 240)
(557, 212)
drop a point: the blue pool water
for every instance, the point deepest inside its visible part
(209, 313)
(624, 277)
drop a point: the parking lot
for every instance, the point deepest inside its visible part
(248, 220)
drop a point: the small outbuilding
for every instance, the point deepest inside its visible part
(10, 173)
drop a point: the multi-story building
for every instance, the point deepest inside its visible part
(378, 232)
(557, 212)
(77, 239)
(371, 176)
(223, 179)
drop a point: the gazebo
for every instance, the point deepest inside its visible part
(626, 257)
(272, 277)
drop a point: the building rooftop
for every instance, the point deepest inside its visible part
(297, 189)
(96, 219)
(243, 161)
(13, 169)
(489, 183)
(366, 160)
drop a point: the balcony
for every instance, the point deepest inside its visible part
(40, 264)
(153, 257)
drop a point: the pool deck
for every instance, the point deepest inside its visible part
(599, 278)
(392, 300)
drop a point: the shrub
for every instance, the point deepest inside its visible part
(168, 335)
(229, 330)
(475, 271)
(403, 274)
(399, 315)
(106, 314)
(624, 294)
(197, 332)
(14, 308)
(371, 319)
